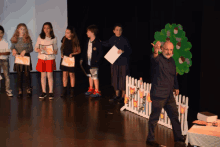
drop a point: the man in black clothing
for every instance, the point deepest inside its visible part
(164, 80)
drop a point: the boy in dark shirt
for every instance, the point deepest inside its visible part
(92, 54)
(120, 68)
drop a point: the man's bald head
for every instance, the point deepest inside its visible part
(168, 44)
(167, 49)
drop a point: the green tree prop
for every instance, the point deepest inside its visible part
(181, 52)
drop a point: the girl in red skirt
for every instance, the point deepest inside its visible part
(46, 62)
(70, 47)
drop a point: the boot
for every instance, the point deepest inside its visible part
(29, 91)
(64, 91)
(20, 92)
(72, 92)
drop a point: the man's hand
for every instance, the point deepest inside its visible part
(23, 53)
(156, 47)
(176, 92)
(14, 52)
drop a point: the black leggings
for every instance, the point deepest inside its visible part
(27, 79)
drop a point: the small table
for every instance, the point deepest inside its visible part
(204, 136)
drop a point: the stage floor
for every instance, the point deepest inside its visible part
(79, 122)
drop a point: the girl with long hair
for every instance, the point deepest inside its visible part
(70, 47)
(22, 45)
(46, 62)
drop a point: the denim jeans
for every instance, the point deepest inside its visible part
(4, 64)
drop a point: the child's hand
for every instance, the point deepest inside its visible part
(119, 51)
(23, 53)
(55, 52)
(14, 52)
(61, 56)
(38, 50)
(70, 55)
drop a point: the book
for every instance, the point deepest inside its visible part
(207, 116)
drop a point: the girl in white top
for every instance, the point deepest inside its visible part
(46, 63)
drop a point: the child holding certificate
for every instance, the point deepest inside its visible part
(70, 47)
(22, 45)
(46, 62)
(120, 68)
(91, 55)
(4, 63)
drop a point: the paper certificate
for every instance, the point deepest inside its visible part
(22, 60)
(69, 62)
(112, 55)
(46, 49)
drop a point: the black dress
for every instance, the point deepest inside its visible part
(66, 52)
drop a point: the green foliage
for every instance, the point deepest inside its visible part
(182, 66)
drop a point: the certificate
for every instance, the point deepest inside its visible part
(69, 62)
(22, 60)
(112, 55)
(46, 49)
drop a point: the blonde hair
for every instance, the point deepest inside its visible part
(26, 37)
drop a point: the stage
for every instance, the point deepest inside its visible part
(80, 121)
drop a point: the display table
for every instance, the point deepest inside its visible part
(204, 136)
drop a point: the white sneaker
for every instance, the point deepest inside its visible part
(9, 93)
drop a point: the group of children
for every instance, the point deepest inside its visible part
(21, 44)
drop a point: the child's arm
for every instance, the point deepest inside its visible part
(55, 48)
(30, 48)
(127, 49)
(100, 52)
(36, 48)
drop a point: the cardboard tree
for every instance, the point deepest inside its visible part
(181, 51)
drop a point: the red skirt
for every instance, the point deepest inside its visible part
(46, 65)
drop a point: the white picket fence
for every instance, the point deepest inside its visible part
(144, 90)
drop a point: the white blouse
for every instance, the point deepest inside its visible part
(46, 41)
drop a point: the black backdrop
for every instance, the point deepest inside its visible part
(139, 25)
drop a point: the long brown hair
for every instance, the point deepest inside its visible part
(26, 37)
(75, 41)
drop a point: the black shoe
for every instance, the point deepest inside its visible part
(43, 95)
(179, 144)
(72, 92)
(64, 91)
(121, 100)
(153, 143)
(114, 98)
(51, 96)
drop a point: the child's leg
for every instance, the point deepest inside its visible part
(72, 79)
(28, 78)
(5, 66)
(20, 77)
(90, 82)
(122, 78)
(50, 81)
(96, 82)
(65, 78)
(43, 81)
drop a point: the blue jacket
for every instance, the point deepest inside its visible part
(121, 43)
(163, 76)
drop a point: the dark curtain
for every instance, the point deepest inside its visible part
(139, 25)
